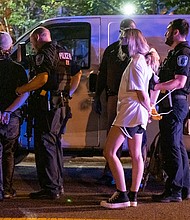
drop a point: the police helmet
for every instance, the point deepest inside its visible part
(5, 41)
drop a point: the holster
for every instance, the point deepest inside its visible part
(66, 115)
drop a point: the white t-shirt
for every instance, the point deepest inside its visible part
(136, 76)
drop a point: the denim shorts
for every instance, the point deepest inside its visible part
(131, 131)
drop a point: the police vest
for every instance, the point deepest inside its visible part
(62, 69)
(58, 84)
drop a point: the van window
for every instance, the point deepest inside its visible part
(75, 37)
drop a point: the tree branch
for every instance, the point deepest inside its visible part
(110, 6)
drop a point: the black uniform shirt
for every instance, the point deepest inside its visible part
(177, 63)
(111, 69)
(57, 62)
(12, 75)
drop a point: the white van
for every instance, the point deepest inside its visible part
(87, 37)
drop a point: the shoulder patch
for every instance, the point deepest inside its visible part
(182, 60)
(65, 56)
(39, 59)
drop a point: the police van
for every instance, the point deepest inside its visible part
(86, 37)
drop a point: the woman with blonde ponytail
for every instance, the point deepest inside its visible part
(133, 112)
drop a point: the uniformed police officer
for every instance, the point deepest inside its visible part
(53, 86)
(175, 77)
(11, 75)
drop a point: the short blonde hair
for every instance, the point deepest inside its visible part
(135, 41)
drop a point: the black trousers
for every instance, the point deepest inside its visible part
(48, 150)
(8, 137)
(176, 163)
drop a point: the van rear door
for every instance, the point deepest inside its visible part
(83, 129)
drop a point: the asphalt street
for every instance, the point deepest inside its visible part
(83, 195)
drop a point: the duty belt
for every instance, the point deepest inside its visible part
(179, 97)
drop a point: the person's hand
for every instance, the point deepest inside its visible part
(155, 115)
(5, 117)
(97, 106)
(18, 91)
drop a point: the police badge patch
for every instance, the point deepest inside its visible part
(182, 60)
(39, 59)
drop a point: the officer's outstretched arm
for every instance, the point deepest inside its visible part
(34, 84)
(18, 102)
(177, 83)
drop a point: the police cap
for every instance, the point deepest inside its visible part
(5, 41)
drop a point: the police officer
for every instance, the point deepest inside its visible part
(114, 61)
(12, 75)
(175, 77)
(52, 87)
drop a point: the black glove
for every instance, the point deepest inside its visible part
(97, 105)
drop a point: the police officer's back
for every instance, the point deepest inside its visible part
(51, 86)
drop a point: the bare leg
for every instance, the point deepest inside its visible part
(111, 113)
(114, 140)
(137, 161)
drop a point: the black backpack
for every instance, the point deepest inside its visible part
(154, 164)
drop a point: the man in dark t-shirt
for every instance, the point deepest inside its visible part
(12, 75)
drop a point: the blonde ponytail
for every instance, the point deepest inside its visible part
(153, 59)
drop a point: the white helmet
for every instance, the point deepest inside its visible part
(5, 41)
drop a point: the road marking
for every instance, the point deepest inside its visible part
(54, 219)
